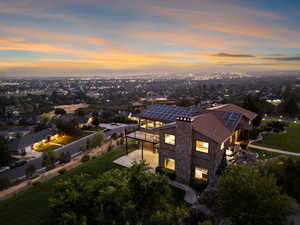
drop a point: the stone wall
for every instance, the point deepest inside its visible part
(184, 147)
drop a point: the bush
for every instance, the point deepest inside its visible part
(49, 159)
(36, 183)
(85, 158)
(164, 171)
(62, 171)
(64, 157)
(30, 170)
(4, 183)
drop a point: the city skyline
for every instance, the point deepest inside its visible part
(95, 36)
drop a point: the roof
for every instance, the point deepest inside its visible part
(167, 113)
(216, 125)
(80, 119)
(30, 139)
(234, 108)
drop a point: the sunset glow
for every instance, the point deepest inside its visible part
(98, 36)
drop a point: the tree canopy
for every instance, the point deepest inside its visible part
(69, 127)
(249, 197)
(130, 197)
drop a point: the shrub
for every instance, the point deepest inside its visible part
(49, 159)
(64, 157)
(85, 158)
(30, 170)
(62, 171)
(4, 183)
(36, 183)
(164, 171)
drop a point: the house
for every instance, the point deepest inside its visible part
(194, 142)
(27, 143)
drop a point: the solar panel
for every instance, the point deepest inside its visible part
(167, 113)
(231, 118)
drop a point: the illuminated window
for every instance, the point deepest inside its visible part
(170, 139)
(143, 123)
(170, 163)
(150, 124)
(201, 173)
(158, 124)
(202, 146)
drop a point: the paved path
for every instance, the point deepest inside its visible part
(190, 194)
(273, 150)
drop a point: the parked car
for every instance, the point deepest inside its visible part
(18, 164)
(4, 168)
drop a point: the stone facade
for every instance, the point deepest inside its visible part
(185, 155)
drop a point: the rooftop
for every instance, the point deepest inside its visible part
(166, 113)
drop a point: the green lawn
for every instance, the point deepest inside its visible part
(30, 207)
(46, 146)
(289, 141)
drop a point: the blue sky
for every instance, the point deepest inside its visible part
(148, 35)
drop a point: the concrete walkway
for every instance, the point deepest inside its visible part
(273, 150)
(136, 156)
(190, 194)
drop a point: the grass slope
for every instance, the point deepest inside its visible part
(289, 141)
(30, 207)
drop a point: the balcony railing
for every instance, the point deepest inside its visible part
(144, 136)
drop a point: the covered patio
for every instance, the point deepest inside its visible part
(149, 156)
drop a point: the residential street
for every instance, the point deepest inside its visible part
(73, 148)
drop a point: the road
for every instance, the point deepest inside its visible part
(73, 148)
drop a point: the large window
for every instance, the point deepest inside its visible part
(150, 124)
(202, 146)
(158, 124)
(201, 173)
(170, 163)
(170, 139)
(143, 123)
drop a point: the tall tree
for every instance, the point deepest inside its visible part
(249, 197)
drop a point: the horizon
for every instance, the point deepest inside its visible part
(96, 37)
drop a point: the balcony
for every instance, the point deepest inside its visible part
(144, 136)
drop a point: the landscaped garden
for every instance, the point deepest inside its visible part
(31, 207)
(289, 141)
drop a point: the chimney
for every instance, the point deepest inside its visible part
(184, 146)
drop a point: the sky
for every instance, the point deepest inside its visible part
(81, 37)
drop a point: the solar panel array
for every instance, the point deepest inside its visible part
(167, 113)
(231, 118)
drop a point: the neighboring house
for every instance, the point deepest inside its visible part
(28, 142)
(12, 133)
(193, 142)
